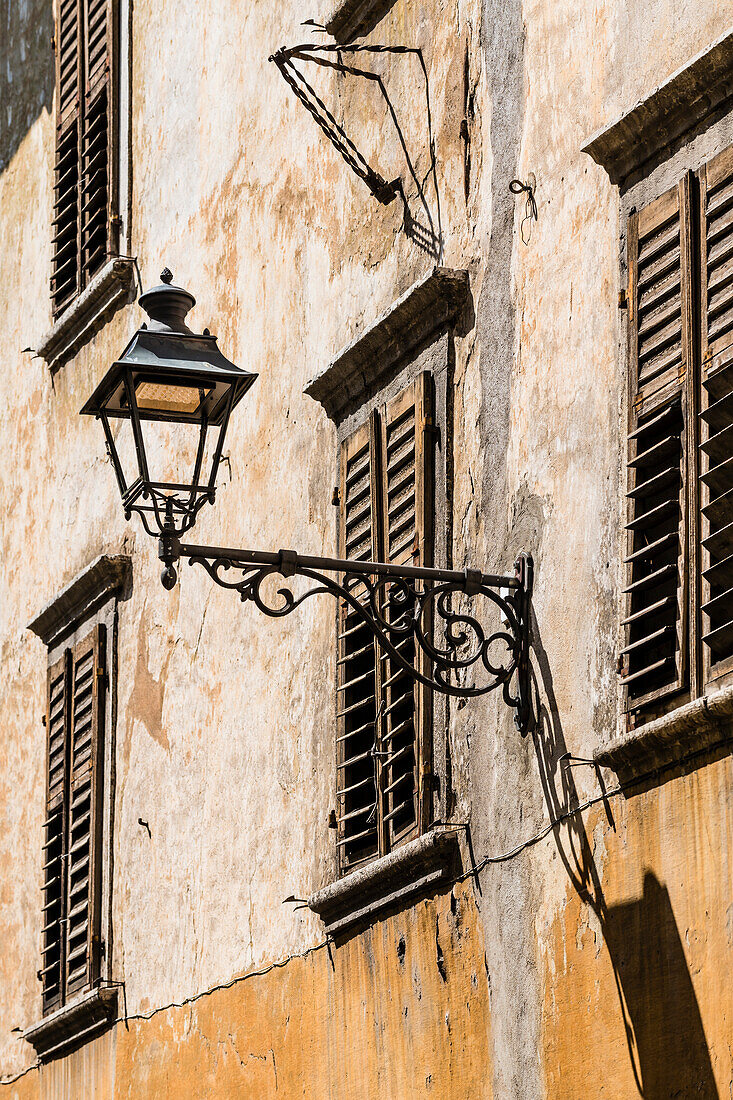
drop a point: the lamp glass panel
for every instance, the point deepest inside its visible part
(171, 449)
(124, 445)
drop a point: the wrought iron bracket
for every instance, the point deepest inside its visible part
(465, 658)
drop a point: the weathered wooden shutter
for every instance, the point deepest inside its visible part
(54, 846)
(384, 717)
(406, 508)
(84, 225)
(65, 280)
(716, 413)
(86, 723)
(358, 688)
(97, 167)
(660, 359)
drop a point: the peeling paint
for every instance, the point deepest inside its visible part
(528, 982)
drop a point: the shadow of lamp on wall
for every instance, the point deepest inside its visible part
(663, 1027)
(667, 1036)
(165, 405)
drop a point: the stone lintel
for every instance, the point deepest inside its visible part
(90, 588)
(438, 300)
(69, 1025)
(679, 104)
(420, 865)
(350, 19)
(673, 738)
(110, 288)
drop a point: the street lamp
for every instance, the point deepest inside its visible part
(176, 391)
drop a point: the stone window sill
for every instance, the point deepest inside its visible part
(79, 1020)
(419, 865)
(673, 738)
(112, 287)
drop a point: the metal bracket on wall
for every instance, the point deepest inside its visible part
(330, 57)
(398, 602)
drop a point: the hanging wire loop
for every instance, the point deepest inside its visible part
(470, 628)
(521, 187)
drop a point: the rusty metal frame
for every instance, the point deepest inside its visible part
(396, 601)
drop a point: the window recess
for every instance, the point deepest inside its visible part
(678, 617)
(383, 744)
(74, 908)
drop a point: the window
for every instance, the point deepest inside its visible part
(78, 997)
(389, 392)
(679, 595)
(384, 730)
(72, 848)
(85, 222)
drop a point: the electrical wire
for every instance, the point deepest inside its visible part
(127, 1018)
(472, 872)
(222, 985)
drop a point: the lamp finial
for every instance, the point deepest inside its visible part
(167, 305)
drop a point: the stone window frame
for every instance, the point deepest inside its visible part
(413, 337)
(113, 285)
(675, 131)
(89, 601)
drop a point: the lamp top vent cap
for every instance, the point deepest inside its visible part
(167, 305)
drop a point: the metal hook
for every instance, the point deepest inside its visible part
(519, 187)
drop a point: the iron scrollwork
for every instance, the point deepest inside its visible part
(464, 657)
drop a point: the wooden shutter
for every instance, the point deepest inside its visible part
(97, 169)
(660, 349)
(54, 846)
(716, 413)
(84, 225)
(406, 508)
(358, 688)
(65, 280)
(87, 688)
(384, 747)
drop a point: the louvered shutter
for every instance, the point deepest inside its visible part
(384, 747)
(406, 509)
(97, 168)
(65, 280)
(358, 688)
(716, 413)
(86, 724)
(85, 226)
(54, 846)
(660, 350)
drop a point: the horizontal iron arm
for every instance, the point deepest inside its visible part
(397, 602)
(289, 562)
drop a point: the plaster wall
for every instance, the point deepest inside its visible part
(224, 741)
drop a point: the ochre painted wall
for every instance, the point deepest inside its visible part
(400, 1011)
(637, 960)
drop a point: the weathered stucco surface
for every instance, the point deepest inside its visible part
(580, 966)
